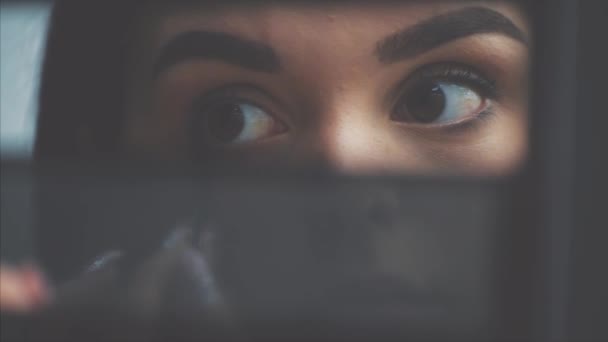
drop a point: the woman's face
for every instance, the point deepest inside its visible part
(423, 87)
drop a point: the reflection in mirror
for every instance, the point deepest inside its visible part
(424, 87)
(405, 87)
(420, 87)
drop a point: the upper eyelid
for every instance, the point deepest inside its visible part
(474, 78)
(228, 90)
(427, 72)
(461, 126)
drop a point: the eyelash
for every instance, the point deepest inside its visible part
(227, 92)
(455, 73)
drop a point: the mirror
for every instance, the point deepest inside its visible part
(383, 89)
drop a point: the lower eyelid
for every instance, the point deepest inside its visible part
(471, 124)
(453, 72)
(456, 128)
(268, 142)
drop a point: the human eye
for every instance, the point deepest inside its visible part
(227, 118)
(443, 95)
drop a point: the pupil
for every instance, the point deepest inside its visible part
(226, 122)
(425, 104)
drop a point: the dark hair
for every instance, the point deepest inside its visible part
(82, 87)
(82, 90)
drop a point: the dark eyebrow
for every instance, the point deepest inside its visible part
(217, 46)
(442, 29)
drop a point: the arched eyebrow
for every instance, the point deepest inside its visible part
(219, 46)
(444, 28)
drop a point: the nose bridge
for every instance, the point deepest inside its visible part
(342, 140)
(345, 138)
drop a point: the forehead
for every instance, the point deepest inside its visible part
(289, 23)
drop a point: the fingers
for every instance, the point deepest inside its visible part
(22, 290)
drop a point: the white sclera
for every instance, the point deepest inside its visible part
(257, 124)
(460, 102)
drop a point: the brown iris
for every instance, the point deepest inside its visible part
(423, 104)
(225, 122)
